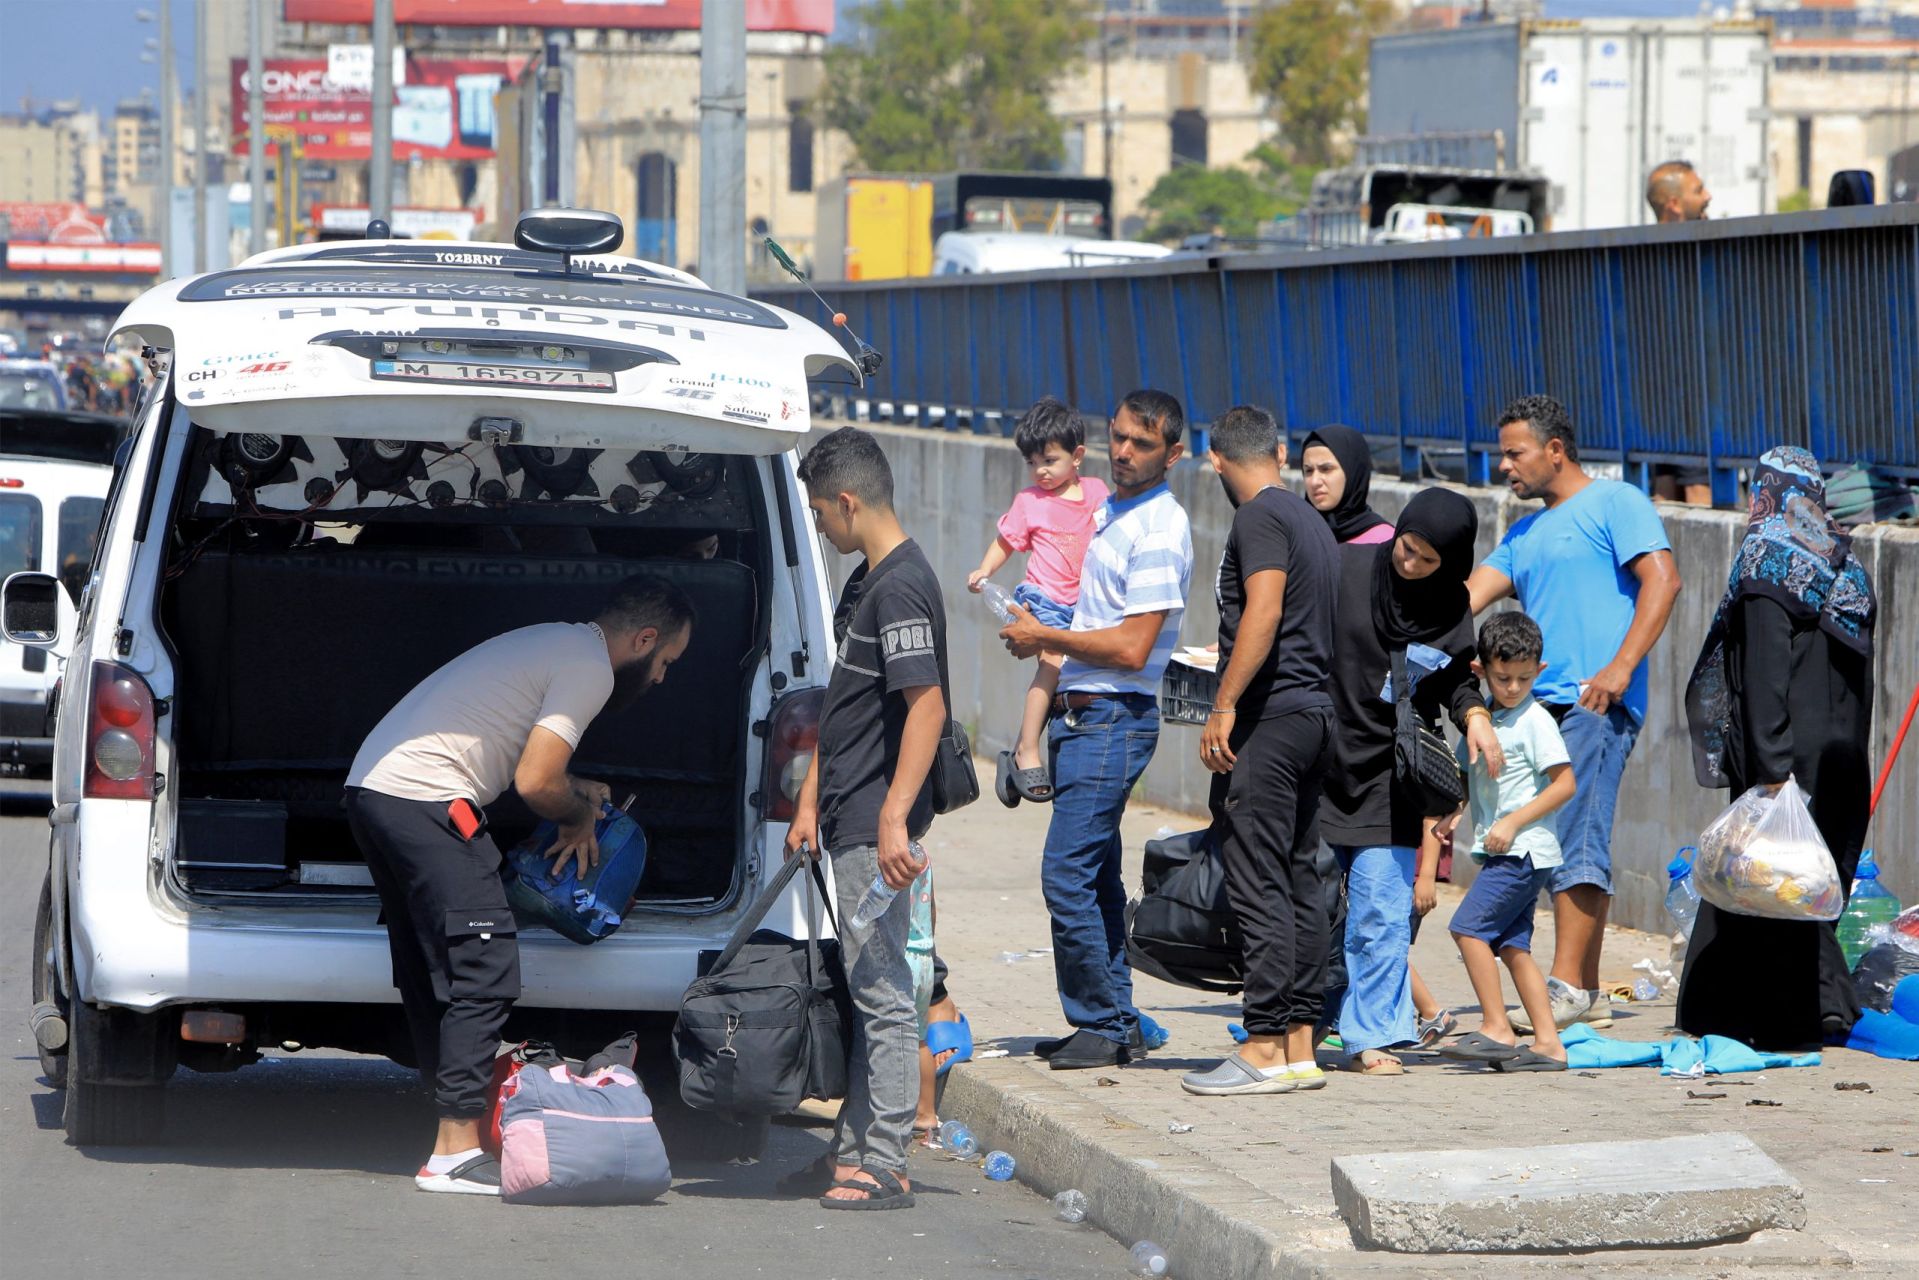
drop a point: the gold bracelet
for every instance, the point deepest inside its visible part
(1481, 710)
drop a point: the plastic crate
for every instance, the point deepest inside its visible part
(1186, 693)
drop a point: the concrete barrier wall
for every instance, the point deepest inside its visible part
(951, 487)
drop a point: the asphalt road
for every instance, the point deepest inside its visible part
(302, 1164)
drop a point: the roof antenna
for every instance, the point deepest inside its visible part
(869, 358)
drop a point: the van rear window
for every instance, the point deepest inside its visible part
(79, 534)
(19, 533)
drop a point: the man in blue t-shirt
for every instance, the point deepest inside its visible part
(1595, 571)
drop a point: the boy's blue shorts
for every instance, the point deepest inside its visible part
(1047, 611)
(1498, 908)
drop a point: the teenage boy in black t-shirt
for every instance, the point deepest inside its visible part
(1267, 740)
(865, 799)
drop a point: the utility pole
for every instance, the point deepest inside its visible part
(163, 181)
(257, 127)
(722, 259)
(199, 136)
(1105, 106)
(380, 164)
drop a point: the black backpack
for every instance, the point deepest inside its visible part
(769, 1024)
(1183, 930)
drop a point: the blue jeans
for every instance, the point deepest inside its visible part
(1377, 1008)
(1046, 611)
(1097, 755)
(1598, 746)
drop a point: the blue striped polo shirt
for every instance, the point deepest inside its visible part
(1140, 561)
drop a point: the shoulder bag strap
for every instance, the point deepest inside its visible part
(757, 912)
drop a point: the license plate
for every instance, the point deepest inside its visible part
(467, 373)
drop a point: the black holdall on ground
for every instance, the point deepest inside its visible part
(1183, 930)
(1424, 768)
(768, 1025)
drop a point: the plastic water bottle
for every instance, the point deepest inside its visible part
(1870, 905)
(958, 1140)
(1682, 895)
(1000, 1166)
(1148, 1259)
(998, 599)
(1070, 1206)
(879, 896)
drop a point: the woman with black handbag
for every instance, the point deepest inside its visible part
(1403, 649)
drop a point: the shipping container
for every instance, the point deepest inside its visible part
(1594, 105)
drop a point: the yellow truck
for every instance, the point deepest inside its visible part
(882, 226)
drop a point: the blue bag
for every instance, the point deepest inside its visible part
(584, 910)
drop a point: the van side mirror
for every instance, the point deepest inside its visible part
(30, 610)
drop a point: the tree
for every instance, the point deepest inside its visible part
(1309, 56)
(934, 85)
(1192, 200)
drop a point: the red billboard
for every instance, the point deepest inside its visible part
(814, 17)
(444, 110)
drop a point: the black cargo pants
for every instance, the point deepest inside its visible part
(456, 960)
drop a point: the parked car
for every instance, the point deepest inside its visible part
(359, 461)
(31, 384)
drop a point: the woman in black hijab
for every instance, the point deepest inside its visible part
(1336, 466)
(1406, 595)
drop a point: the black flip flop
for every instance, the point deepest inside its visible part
(1034, 784)
(815, 1179)
(1003, 782)
(884, 1192)
(1528, 1060)
(1478, 1047)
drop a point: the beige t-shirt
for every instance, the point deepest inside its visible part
(460, 732)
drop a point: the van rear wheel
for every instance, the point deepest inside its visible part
(50, 1018)
(116, 1094)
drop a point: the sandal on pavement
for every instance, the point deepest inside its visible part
(1236, 1076)
(885, 1191)
(1377, 1062)
(1478, 1047)
(1436, 1028)
(1528, 1060)
(954, 1036)
(815, 1179)
(1003, 781)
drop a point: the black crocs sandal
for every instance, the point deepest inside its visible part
(884, 1192)
(1003, 782)
(1034, 784)
(1478, 1047)
(1529, 1060)
(815, 1179)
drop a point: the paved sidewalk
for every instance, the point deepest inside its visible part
(1247, 1191)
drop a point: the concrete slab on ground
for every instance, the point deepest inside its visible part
(1695, 1189)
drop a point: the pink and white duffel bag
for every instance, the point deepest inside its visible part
(581, 1138)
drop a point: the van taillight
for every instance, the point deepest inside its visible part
(119, 735)
(790, 743)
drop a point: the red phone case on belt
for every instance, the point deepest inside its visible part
(466, 819)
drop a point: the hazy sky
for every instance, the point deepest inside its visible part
(87, 49)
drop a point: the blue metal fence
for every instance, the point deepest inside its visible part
(1704, 342)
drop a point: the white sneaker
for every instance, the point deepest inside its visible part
(1569, 1005)
(479, 1176)
(1598, 1010)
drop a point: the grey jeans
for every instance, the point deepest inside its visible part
(883, 1073)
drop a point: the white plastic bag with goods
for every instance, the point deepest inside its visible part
(1764, 857)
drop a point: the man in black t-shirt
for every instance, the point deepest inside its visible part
(866, 799)
(1267, 739)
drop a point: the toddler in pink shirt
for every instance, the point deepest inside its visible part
(1051, 520)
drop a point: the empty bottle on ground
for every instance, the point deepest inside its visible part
(1070, 1206)
(958, 1140)
(1148, 1259)
(1870, 905)
(999, 1166)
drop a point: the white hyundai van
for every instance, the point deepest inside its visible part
(359, 461)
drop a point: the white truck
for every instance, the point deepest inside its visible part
(1594, 105)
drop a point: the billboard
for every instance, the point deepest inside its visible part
(443, 111)
(61, 222)
(138, 259)
(814, 17)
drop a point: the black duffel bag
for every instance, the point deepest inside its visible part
(768, 1025)
(1183, 930)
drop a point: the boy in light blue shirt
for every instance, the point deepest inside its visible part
(1517, 846)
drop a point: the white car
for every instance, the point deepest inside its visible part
(50, 504)
(31, 384)
(359, 461)
(965, 253)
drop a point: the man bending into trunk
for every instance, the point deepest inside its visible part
(509, 712)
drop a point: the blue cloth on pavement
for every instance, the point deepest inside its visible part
(1679, 1056)
(1891, 1035)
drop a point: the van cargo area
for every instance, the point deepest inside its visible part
(301, 603)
